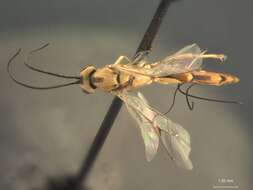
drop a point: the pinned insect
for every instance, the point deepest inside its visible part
(125, 76)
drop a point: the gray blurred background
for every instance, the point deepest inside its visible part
(47, 133)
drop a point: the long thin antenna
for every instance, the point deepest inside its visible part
(50, 73)
(38, 70)
(75, 182)
(43, 71)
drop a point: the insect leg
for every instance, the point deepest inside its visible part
(121, 59)
(187, 94)
(140, 56)
(221, 57)
(174, 100)
(190, 105)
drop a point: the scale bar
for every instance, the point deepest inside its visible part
(225, 187)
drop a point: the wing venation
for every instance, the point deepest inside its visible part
(155, 126)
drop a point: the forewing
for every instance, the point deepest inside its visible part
(193, 48)
(187, 59)
(176, 141)
(136, 107)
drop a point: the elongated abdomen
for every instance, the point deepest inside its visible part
(199, 77)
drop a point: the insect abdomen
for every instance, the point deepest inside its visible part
(199, 77)
(213, 78)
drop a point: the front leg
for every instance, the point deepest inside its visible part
(138, 59)
(121, 59)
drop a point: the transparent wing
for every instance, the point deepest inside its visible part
(187, 59)
(176, 141)
(150, 136)
(193, 48)
(154, 125)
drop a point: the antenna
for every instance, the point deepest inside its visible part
(40, 71)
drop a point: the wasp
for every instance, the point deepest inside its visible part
(124, 77)
(182, 67)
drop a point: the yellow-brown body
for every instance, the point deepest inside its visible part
(111, 79)
(199, 77)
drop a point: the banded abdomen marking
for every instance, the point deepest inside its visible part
(213, 78)
(199, 77)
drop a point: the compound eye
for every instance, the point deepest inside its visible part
(85, 79)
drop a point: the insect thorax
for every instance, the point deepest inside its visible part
(110, 79)
(106, 79)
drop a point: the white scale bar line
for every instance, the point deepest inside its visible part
(225, 187)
